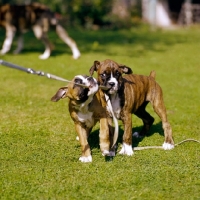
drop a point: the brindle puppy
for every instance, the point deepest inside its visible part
(130, 94)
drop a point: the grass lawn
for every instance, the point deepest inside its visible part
(38, 150)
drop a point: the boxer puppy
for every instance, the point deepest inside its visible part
(86, 107)
(38, 17)
(130, 94)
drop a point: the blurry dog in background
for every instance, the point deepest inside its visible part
(21, 18)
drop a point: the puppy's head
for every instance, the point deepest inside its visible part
(109, 74)
(78, 92)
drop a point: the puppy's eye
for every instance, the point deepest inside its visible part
(78, 81)
(103, 75)
(117, 73)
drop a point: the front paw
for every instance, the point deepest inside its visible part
(126, 150)
(86, 159)
(108, 153)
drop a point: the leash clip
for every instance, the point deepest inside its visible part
(40, 73)
(30, 71)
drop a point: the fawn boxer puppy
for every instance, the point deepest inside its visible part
(38, 17)
(86, 107)
(130, 94)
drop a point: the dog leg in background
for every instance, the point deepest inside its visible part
(20, 44)
(10, 33)
(69, 41)
(41, 35)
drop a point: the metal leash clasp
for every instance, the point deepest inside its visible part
(31, 71)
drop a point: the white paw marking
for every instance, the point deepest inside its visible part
(77, 138)
(85, 159)
(167, 146)
(45, 55)
(76, 53)
(126, 150)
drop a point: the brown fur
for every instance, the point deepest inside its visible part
(98, 113)
(134, 93)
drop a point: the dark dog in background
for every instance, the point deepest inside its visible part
(20, 18)
(130, 94)
(86, 108)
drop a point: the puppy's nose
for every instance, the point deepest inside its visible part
(111, 84)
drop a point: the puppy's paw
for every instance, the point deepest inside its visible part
(108, 153)
(167, 146)
(126, 150)
(85, 159)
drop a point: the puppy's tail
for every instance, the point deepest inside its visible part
(152, 74)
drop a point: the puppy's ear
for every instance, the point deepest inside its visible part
(94, 67)
(60, 94)
(125, 69)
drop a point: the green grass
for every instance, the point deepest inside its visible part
(38, 151)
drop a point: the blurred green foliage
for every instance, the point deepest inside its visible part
(90, 14)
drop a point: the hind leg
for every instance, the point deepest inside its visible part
(159, 108)
(41, 35)
(146, 118)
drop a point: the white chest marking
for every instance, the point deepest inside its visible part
(86, 118)
(84, 115)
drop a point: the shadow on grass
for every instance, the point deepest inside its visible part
(155, 128)
(138, 40)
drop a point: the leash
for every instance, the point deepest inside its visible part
(160, 147)
(39, 73)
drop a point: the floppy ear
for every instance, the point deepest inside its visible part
(60, 94)
(94, 67)
(125, 69)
